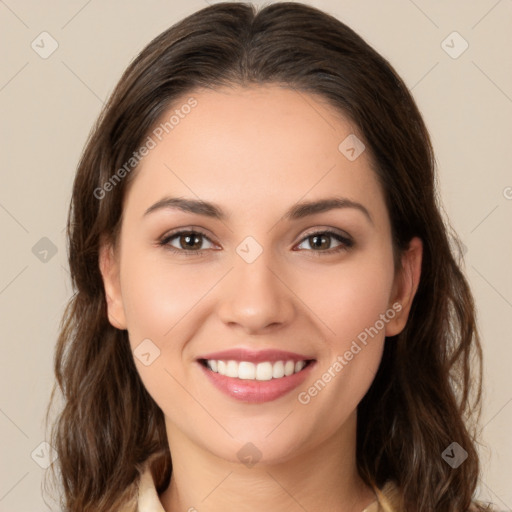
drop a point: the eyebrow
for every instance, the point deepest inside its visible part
(296, 212)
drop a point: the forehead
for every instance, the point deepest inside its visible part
(247, 147)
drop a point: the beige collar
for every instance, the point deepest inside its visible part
(148, 500)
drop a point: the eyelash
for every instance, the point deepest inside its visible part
(346, 243)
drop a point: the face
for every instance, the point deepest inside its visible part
(263, 278)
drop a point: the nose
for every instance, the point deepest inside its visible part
(256, 297)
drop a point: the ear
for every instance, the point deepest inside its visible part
(109, 268)
(405, 286)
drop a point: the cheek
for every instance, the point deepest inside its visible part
(158, 295)
(162, 303)
(350, 302)
(352, 308)
(350, 297)
(159, 299)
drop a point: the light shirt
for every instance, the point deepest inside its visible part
(148, 500)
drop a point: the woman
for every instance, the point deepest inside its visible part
(265, 288)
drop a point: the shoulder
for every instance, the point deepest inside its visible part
(389, 497)
(389, 501)
(145, 499)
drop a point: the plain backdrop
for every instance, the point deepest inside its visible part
(48, 103)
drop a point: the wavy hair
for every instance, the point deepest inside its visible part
(427, 391)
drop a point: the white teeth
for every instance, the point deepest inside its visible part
(278, 370)
(289, 368)
(264, 371)
(232, 369)
(249, 371)
(246, 370)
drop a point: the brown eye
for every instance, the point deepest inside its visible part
(190, 241)
(185, 242)
(321, 242)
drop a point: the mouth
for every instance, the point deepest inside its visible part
(256, 377)
(263, 371)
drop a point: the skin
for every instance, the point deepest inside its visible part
(256, 152)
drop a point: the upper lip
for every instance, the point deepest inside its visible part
(255, 356)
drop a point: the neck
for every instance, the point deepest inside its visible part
(314, 479)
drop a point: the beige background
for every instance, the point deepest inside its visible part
(48, 106)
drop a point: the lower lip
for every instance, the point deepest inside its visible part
(257, 391)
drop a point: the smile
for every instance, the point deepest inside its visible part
(256, 377)
(246, 370)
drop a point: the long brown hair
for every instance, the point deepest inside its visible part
(427, 391)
